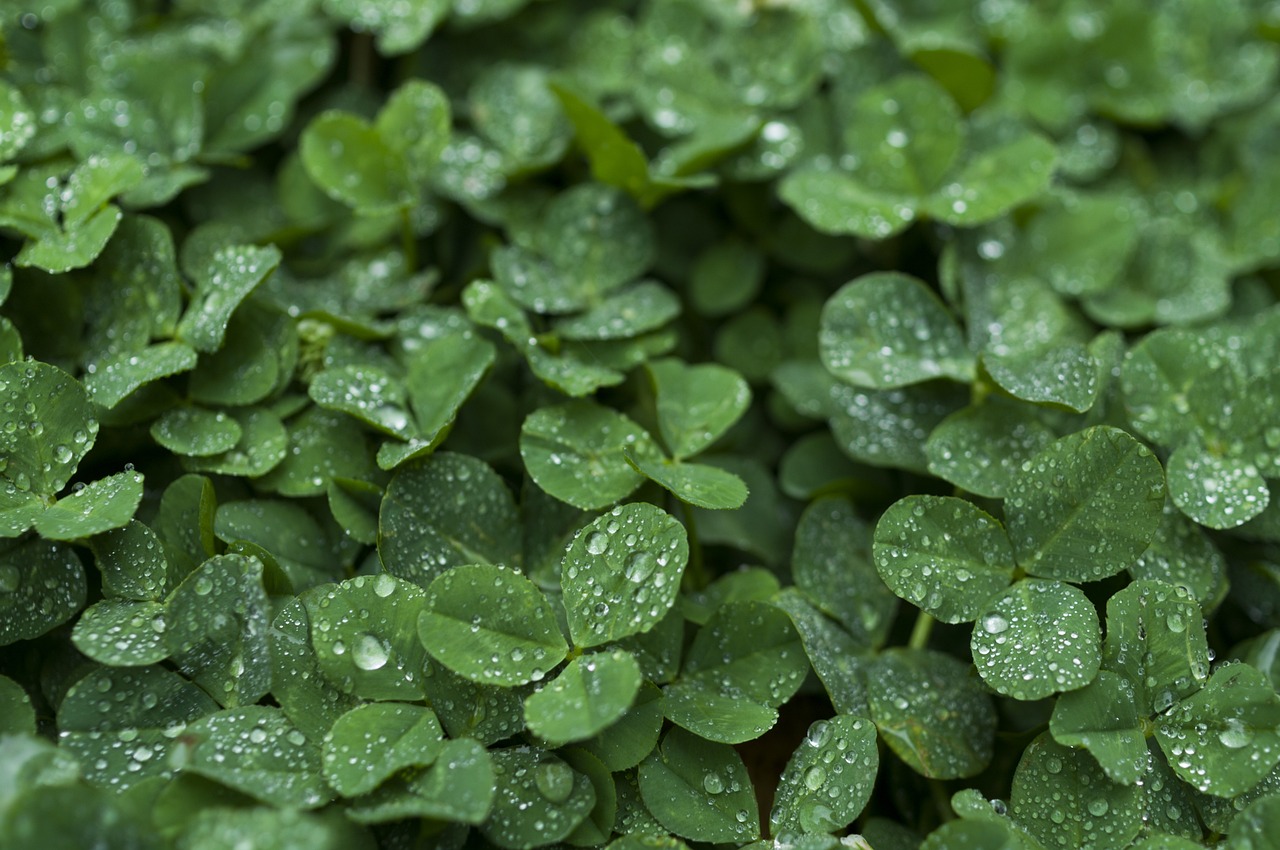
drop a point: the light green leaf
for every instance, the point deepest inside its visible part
(837, 203)
(1102, 717)
(1037, 638)
(72, 249)
(698, 484)
(370, 394)
(1156, 640)
(1062, 375)
(445, 511)
(369, 744)
(981, 448)
(591, 693)
(514, 107)
(122, 633)
(352, 163)
(994, 181)
(195, 431)
(621, 573)
(1085, 507)
(458, 787)
(887, 330)
(103, 505)
(416, 121)
(1215, 490)
(232, 273)
(1254, 828)
(932, 712)
(257, 751)
(17, 122)
(216, 629)
(828, 779)
(490, 625)
(42, 585)
(943, 554)
(364, 631)
(1224, 738)
(115, 378)
(539, 800)
(906, 134)
(700, 790)
(575, 451)
(696, 404)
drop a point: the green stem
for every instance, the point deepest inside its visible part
(695, 576)
(920, 631)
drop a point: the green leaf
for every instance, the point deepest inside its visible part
(491, 626)
(1037, 638)
(415, 121)
(115, 378)
(1063, 798)
(371, 743)
(369, 393)
(832, 565)
(354, 505)
(16, 119)
(458, 787)
(749, 651)
(906, 134)
(196, 432)
(828, 779)
(121, 724)
(1226, 737)
(598, 236)
(625, 742)
(974, 834)
(943, 554)
(232, 273)
(257, 751)
(698, 484)
(696, 404)
(981, 448)
(364, 631)
(53, 426)
(263, 444)
(994, 181)
(931, 712)
(575, 451)
(324, 447)
(890, 427)
(837, 659)
(1064, 375)
(1085, 507)
(122, 633)
(488, 713)
(17, 716)
(623, 314)
(539, 800)
(445, 511)
(399, 27)
(443, 373)
(103, 505)
(714, 715)
(1102, 717)
(42, 585)
(1253, 828)
(514, 107)
(699, 790)
(591, 693)
(284, 829)
(1156, 641)
(353, 164)
(216, 629)
(621, 573)
(888, 330)
(1217, 491)
(298, 683)
(837, 203)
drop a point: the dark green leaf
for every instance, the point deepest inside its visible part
(699, 790)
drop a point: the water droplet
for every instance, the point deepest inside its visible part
(369, 653)
(712, 783)
(814, 777)
(554, 781)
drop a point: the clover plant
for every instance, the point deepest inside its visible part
(639, 424)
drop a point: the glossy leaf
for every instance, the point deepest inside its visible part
(1086, 506)
(575, 453)
(539, 799)
(827, 780)
(467, 630)
(591, 693)
(257, 751)
(621, 572)
(1037, 638)
(1103, 718)
(371, 743)
(943, 554)
(696, 404)
(699, 790)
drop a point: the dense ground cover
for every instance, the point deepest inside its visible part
(502, 423)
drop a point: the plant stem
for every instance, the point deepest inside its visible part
(920, 631)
